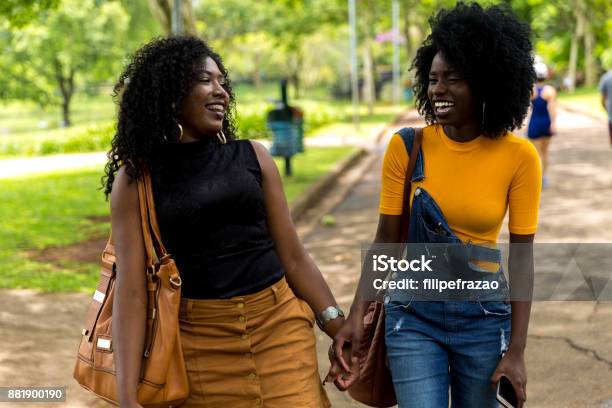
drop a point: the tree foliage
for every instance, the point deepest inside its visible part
(74, 46)
(19, 12)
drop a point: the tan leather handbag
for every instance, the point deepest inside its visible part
(163, 381)
(375, 386)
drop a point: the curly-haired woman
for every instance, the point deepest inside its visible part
(247, 339)
(474, 76)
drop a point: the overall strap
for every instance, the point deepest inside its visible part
(413, 139)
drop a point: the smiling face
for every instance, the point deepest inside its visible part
(450, 96)
(204, 108)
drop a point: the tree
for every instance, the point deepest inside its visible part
(19, 12)
(287, 23)
(76, 45)
(162, 10)
(143, 26)
(570, 35)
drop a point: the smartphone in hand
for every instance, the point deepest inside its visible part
(505, 393)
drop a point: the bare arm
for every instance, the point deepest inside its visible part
(130, 302)
(520, 265)
(521, 271)
(302, 274)
(387, 232)
(552, 107)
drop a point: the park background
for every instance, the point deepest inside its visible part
(60, 60)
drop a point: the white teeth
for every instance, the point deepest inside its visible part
(441, 104)
(216, 108)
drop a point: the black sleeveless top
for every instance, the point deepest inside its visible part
(210, 208)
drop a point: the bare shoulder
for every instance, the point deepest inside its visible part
(124, 195)
(263, 156)
(549, 92)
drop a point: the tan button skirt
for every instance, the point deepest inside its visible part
(251, 351)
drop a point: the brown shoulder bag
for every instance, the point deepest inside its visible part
(375, 386)
(163, 380)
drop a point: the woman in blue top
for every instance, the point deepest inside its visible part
(542, 124)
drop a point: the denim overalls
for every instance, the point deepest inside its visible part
(432, 345)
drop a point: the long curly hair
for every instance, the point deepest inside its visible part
(150, 93)
(492, 51)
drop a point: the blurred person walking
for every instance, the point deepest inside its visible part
(605, 87)
(542, 123)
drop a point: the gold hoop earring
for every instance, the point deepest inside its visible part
(221, 137)
(180, 132)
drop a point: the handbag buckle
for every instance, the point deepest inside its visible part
(176, 282)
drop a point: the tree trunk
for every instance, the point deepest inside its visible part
(368, 77)
(256, 73)
(66, 86)
(589, 61)
(295, 81)
(188, 19)
(256, 78)
(162, 11)
(368, 19)
(572, 63)
(66, 111)
(580, 16)
(407, 36)
(294, 75)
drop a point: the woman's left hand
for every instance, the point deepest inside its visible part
(512, 366)
(342, 379)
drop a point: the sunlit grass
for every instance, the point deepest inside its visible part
(588, 99)
(64, 208)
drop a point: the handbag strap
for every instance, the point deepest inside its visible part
(414, 152)
(156, 236)
(154, 248)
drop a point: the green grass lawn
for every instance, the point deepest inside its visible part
(60, 209)
(28, 130)
(587, 99)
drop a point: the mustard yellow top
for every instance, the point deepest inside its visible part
(473, 183)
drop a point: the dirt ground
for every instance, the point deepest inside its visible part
(569, 354)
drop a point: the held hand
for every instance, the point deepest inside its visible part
(512, 365)
(553, 129)
(348, 337)
(343, 380)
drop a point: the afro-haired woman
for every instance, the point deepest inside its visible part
(474, 76)
(248, 340)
